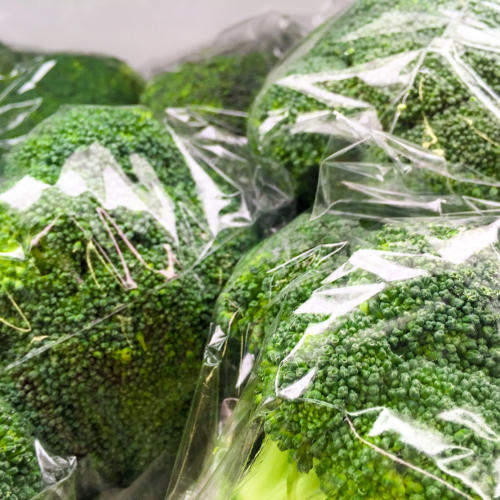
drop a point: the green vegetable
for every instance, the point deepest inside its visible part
(37, 85)
(104, 320)
(403, 60)
(417, 359)
(20, 477)
(226, 81)
(7, 58)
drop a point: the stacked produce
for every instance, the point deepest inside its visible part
(353, 353)
(367, 329)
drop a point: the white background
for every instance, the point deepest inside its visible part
(139, 31)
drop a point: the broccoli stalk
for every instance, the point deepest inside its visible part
(275, 475)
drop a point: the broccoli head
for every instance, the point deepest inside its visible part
(36, 85)
(377, 358)
(225, 81)
(115, 244)
(402, 66)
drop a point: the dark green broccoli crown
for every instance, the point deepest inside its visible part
(105, 317)
(425, 84)
(20, 477)
(406, 374)
(228, 81)
(39, 84)
(122, 130)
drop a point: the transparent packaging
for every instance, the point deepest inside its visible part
(34, 85)
(424, 71)
(227, 73)
(354, 353)
(118, 232)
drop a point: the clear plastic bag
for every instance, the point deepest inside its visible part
(424, 71)
(33, 86)
(229, 72)
(367, 338)
(118, 232)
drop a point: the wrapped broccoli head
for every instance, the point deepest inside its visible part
(229, 73)
(116, 240)
(34, 86)
(228, 81)
(376, 361)
(425, 71)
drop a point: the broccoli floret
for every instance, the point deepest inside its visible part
(362, 398)
(400, 59)
(36, 85)
(109, 276)
(20, 477)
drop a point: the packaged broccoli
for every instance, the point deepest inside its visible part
(33, 86)
(118, 233)
(425, 71)
(367, 334)
(230, 72)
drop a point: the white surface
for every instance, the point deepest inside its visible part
(139, 31)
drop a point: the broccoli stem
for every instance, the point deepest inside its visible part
(273, 475)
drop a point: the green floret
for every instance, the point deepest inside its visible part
(104, 318)
(226, 81)
(37, 85)
(404, 381)
(20, 477)
(396, 58)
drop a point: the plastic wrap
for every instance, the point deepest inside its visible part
(228, 73)
(118, 232)
(33, 86)
(424, 71)
(367, 338)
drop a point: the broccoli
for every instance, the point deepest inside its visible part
(229, 74)
(226, 81)
(20, 477)
(357, 401)
(36, 85)
(108, 279)
(7, 59)
(396, 65)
